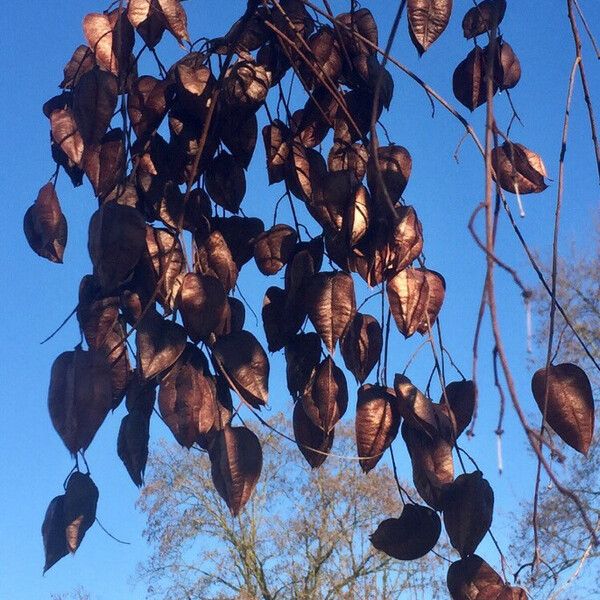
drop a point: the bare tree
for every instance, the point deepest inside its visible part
(303, 536)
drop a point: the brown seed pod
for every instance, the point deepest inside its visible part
(45, 225)
(377, 423)
(331, 305)
(159, 343)
(246, 85)
(94, 102)
(66, 136)
(468, 510)
(147, 104)
(293, 19)
(196, 213)
(313, 442)
(361, 345)
(104, 164)
(213, 257)
(79, 508)
(348, 157)
(570, 406)
(239, 132)
(79, 396)
(202, 303)
(280, 319)
(247, 34)
(273, 248)
(427, 20)
(305, 172)
(432, 466)
(243, 362)
(132, 444)
(236, 463)
(358, 215)
(194, 83)
(518, 169)
(416, 297)
(326, 57)
(82, 61)
(117, 238)
(472, 577)
(461, 397)
(326, 398)
(395, 164)
(508, 66)
(186, 397)
(277, 149)
(405, 240)
(409, 537)
(53, 532)
(240, 234)
(117, 356)
(469, 81)
(302, 356)
(96, 313)
(226, 182)
(148, 20)
(483, 17)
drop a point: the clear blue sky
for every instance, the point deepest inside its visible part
(37, 40)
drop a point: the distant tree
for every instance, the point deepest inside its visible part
(566, 547)
(304, 535)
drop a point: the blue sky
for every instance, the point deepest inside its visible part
(39, 37)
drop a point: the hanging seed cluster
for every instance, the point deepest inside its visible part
(177, 163)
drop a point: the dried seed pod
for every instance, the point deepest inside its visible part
(331, 305)
(508, 67)
(196, 212)
(273, 248)
(277, 149)
(293, 19)
(226, 182)
(239, 132)
(302, 356)
(518, 169)
(53, 532)
(243, 362)
(202, 302)
(82, 61)
(140, 396)
(239, 233)
(405, 240)
(117, 237)
(117, 356)
(159, 344)
(247, 34)
(194, 83)
(96, 314)
(280, 319)
(468, 510)
(359, 22)
(148, 19)
(420, 412)
(147, 104)
(132, 444)
(348, 157)
(358, 215)
(104, 164)
(469, 80)
(79, 508)
(361, 345)
(246, 85)
(45, 225)
(569, 409)
(236, 463)
(377, 423)
(66, 135)
(472, 577)
(432, 466)
(326, 398)
(312, 441)
(326, 57)
(186, 397)
(483, 17)
(427, 20)
(305, 171)
(409, 537)
(79, 396)
(94, 102)
(458, 402)
(395, 164)
(416, 297)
